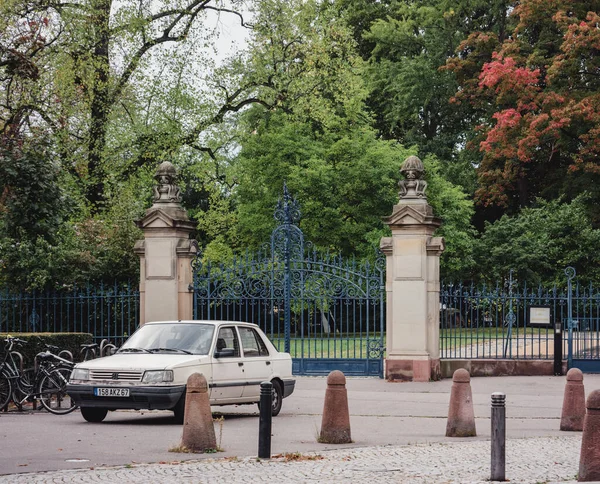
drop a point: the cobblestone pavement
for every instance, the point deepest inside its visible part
(528, 461)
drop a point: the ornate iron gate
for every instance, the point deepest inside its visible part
(326, 312)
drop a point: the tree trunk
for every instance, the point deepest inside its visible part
(99, 109)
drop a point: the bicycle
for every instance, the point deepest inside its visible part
(47, 383)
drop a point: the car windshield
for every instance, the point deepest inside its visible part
(171, 338)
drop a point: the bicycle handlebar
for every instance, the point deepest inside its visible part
(47, 355)
(9, 341)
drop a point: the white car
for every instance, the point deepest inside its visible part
(151, 369)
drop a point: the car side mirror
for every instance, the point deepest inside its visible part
(225, 353)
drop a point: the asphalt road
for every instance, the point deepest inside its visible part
(382, 413)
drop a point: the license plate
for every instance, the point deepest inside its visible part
(111, 392)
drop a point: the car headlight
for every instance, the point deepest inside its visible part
(80, 374)
(158, 376)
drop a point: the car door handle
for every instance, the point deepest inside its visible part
(268, 362)
(240, 363)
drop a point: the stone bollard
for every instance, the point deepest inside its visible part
(461, 419)
(198, 427)
(589, 459)
(573, 409)
(335, 426)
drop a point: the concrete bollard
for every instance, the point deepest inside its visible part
(461, 419)
(573, 409)
(589, 459)
(198, 427)
(335, 426)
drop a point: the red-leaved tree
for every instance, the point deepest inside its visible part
(538, 97)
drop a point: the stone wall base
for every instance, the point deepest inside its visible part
(500, 367)
(412, 370)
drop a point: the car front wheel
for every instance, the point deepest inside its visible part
(179, 410)
(92, 414)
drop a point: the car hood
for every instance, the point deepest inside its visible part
(142, 361)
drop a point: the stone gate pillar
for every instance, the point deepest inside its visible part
(166, 253)
(412, 282)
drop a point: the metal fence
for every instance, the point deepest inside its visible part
(337, 311)
(107, 312)
(515, 320)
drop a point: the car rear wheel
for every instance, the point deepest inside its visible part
(92, 414)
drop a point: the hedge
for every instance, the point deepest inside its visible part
(36, 343)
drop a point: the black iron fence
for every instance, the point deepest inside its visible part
(107, 312)
(518, 321)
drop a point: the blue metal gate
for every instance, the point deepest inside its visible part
(582, 325)
(326, 312)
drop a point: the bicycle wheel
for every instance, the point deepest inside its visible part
(52, 391)
(23, 387)
(5, 391)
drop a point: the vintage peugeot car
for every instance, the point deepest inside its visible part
(151, 369)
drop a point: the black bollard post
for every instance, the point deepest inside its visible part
(557, 349)
(264, 425)
(498, 467)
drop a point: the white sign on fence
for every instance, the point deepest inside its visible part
(539, 316)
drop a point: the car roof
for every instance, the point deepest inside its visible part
(207, 321)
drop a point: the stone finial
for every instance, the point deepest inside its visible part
(413, 186)
(166, 191)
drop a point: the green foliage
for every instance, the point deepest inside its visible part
(406, 44)
(327, 98)
(93, 250)
(539, 242)
(452, 205)
(344, 182)
(54, 252)
(32, 203)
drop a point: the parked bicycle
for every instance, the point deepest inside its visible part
(46, 383)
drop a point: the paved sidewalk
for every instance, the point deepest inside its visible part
(528, 461)
(398, 432)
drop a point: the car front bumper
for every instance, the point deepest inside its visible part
(140, 397)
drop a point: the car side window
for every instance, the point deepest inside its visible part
(252, 343)
(227, 339)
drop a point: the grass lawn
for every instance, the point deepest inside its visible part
(333, 347)
(355, 345)
(458, 337)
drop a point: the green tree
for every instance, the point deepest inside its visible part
(112, 82)
(316, 137)
(344, 182)
(406, 44)
(539, 242)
